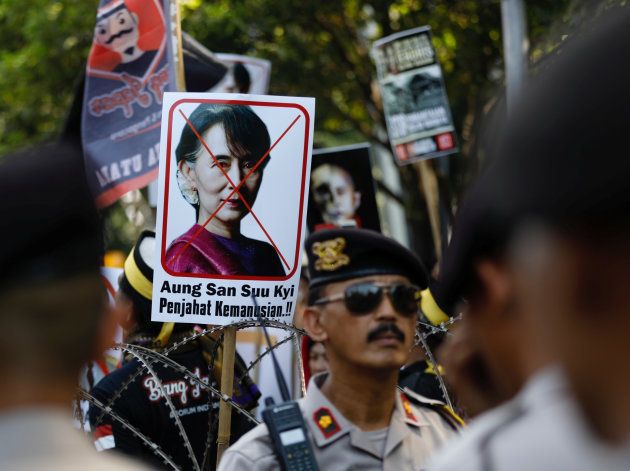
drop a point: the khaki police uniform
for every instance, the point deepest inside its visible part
(540, 429)
(414, 433)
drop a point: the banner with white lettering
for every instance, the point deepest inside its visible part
(233, 190)
(417, 112)
(129, 67)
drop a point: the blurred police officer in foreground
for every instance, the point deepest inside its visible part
(52, 309)
(362, 306)
(559, 186)
(497, 363)
(568, 180)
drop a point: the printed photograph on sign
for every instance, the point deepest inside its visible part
(342, 190)
(234, 177)
(417, 111)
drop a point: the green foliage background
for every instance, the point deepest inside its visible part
(318, 48)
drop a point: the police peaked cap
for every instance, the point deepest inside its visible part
(563, 153)
(341, 254)
(560, 158)
(480, 231)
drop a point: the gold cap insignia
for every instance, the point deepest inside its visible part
(330, 253)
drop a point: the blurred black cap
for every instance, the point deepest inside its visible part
(563, 157)
(341, 254)
(49, 225)
(560, 157)
(480, 231)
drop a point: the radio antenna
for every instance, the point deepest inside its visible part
(282, 384)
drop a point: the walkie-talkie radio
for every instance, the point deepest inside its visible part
(285, 423)
(289, 435)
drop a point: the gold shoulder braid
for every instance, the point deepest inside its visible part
(330, 253)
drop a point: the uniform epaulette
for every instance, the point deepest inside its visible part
(448, 414)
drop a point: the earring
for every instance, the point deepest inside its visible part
(189, 192)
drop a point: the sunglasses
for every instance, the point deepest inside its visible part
(363, 298)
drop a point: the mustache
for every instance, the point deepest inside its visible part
(119, 34)
(388, 327)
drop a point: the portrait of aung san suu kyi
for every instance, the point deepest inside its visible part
(237, 138)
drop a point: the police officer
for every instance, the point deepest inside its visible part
(362, 306)
(142, 403)
(561, 272)
(51, 308)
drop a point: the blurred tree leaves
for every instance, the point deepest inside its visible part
(318, 48)
(44, 46)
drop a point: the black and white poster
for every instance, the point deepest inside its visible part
(417, 111)
(342, 190)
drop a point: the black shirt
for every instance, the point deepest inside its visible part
(420, 378)
(144, 407)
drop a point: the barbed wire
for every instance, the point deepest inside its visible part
(147, 358)
(140, 370)
(169, 401)
(189, 375)
(426, 331)
(255, 362)
(153, 446)
(441, 328)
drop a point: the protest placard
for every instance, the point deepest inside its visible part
(233, 186)
(129, 67)
(342, 192)
(245, 74)
(207, 71)
(417, 112)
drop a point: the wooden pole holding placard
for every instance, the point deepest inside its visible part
(176, 41)
(175, 37)
(227, 386)
(429, 183)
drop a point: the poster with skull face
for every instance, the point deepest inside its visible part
(342, 189)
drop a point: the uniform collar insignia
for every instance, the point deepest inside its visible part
(330, 253)
(408, 411)
(325, 421)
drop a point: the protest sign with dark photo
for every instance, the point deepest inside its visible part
(342, 189)
(417, 111)
(233, 183)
